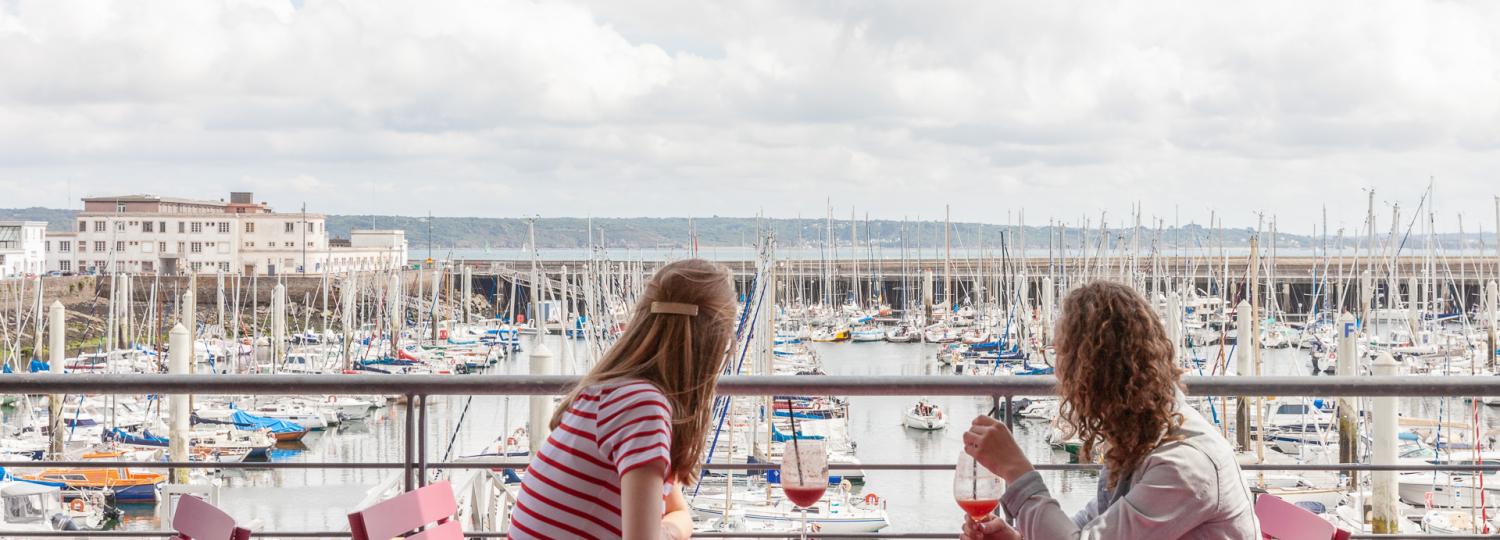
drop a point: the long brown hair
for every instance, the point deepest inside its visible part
(682, 355)
(1116, 374)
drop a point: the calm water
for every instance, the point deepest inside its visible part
(917, 500)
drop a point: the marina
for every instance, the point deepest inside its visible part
(979, 317)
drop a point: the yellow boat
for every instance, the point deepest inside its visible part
(841, 334)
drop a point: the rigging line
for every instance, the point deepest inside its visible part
(723, 403)
(457, 427)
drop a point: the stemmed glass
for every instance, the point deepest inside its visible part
(976, 489)
(804, 474)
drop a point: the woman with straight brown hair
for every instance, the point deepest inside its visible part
(1167, 472)
(631, 432)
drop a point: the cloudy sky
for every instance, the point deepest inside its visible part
(672, 108)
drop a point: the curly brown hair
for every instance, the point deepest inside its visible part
(1116, 374)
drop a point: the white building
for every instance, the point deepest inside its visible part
(144, 234)
(22, 248)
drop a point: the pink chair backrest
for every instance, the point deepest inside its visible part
(406, 512)
(195, 519)
(1285, 521)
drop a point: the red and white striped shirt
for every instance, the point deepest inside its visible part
(572, 486)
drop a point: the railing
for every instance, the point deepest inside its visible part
(417, 388)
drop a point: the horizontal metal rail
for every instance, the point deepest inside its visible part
(268, 465)
(735, 385)
(494, 534)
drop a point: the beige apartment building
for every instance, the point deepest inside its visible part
(146, 234)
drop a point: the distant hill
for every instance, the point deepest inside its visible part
(57, 219)
(474, 232)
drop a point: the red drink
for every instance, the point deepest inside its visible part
(979, 509)
(805, 497)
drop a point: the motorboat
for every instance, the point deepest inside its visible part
(926, 416)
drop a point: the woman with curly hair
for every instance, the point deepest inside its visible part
(1167, 471)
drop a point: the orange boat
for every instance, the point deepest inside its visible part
(126, 486)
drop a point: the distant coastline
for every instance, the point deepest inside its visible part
(472, 235)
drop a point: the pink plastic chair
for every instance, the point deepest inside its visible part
(195, 519)
(1282, 520)
(408, 511)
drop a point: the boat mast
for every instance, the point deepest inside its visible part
(948, 258)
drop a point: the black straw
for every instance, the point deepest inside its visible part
(792, 413)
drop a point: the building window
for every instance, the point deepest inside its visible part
(64, 246)
(66, 266)
(249, 226)
(224, 228)
(119, 207)
(49, 246)
(146, 266)
(119, 245)
(161, 247)
(197, 227)
(223, 267)
(98, 226)
(161, 226)
(249, 244)
(197, 266)
(100, 266)
(288, 244)
(99, 246)
(291, 227)
(197, 247)
(119, 226)
(148, 226)
(83, 246)
(181, 227)
(83, 226)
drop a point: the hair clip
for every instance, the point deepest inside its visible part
(675, 308)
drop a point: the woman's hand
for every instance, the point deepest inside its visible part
(677, 524)
(989, 529)
(992, 446)
(673, 531)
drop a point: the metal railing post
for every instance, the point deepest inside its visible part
(1010, 415)
(408, 444)
(422, 441)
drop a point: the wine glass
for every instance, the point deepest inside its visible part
(804, 474)
(976, 489)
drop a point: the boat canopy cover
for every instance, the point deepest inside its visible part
(388, 362)
(22, 489)
(146, 439)
(242, 419)
(779, 436)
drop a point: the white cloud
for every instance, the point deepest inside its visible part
(510, 107)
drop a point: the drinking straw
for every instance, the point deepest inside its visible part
(796, 451)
